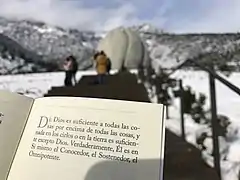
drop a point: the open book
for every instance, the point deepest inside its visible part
(72, 138)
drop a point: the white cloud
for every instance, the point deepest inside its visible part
(69, 13)
(220, 16)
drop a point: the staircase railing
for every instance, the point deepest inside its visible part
(212, 77)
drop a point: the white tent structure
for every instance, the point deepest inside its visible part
(125, 48)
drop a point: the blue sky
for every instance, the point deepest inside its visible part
(170, 15)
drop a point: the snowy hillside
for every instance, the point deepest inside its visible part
(228, 103)
(16, 59)
(169, 50)
(52, 44)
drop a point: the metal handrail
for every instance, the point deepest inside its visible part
(212, 75)
(216, 76)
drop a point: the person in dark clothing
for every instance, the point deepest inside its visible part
(68, 73)
(74, 68)
(70, 66)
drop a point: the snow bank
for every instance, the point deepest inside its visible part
(228, 103)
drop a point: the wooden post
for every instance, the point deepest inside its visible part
(181, 109)
(214, 125)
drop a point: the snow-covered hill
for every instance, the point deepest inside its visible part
(16, 59)
(49, 42)
(228, 103)
(52, 44)
(168, 50)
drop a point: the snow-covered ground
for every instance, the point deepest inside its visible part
(228, 103)
(36, 85)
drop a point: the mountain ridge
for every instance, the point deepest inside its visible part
(51, 44)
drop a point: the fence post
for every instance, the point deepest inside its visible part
(181, 109)
(214, 125)
(167, 111)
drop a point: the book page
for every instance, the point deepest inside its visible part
(14, 111)
(89, 139)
